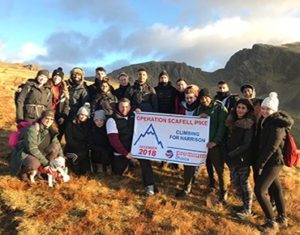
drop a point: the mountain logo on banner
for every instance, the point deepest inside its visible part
(149, 132)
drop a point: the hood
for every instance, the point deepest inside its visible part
(281, 119)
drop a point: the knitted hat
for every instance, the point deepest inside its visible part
(247, 86)
(85, 109)
(58, 72)
(164, 72)
(204, 92)
(43, 72)
(99, 114)
(271, 101)
(47, 113)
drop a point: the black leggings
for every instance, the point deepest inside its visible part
(268, 181)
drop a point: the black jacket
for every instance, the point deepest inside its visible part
(240, 134)
(166, 97)
(143, 97)
(77, 136)
(98, 138)
(78, 96)
(121, 91)
(271, 133)
(33, 100)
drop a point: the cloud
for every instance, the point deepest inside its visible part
(28, 52)
(206, 44)
(69, 47)
(25, 53)
(107, 11)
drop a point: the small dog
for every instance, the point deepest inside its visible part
(57, 170)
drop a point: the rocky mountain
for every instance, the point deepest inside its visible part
(268, 68)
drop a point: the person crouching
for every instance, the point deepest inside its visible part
(34, 146)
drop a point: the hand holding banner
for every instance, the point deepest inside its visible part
(171, 138)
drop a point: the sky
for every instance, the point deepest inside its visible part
(117, 33)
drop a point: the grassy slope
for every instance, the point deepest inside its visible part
(102, 204)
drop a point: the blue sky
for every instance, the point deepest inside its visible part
(113, 34)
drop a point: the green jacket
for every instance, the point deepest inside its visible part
(29, 144)
(218, 114)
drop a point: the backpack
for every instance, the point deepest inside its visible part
(290, 152)
(15, 135)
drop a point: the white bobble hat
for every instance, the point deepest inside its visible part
(85, 110)
(271, 101)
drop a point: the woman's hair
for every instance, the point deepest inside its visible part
(245, 102)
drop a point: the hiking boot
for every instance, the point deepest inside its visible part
(282, 221)
(182, 194)
(270, 225)
(149, 190)
(244, 214)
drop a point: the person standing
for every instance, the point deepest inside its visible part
(271, 134)
(165, 94)
(142, 96)
(120, 133)
(34, 98)
(180, 96)
(225, 96)
(123, 87)
(94, 88)
(240, 124)
(60, 100)
(217, 113)
(105, 100)
(77, 91)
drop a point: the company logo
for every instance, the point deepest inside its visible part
(169, 153)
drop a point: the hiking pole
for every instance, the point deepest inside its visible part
(90, 160)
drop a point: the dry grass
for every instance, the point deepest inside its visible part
(99, 204)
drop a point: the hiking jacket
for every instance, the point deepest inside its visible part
(78, 96)
(165, 98)
(217, 113)
(33, 141)
(33, 100)
(271, 133)
(143, 97)
(239, 140)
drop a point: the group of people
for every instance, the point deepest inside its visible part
(97, 122)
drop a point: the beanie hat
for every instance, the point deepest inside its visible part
(77, 70)
(164, 72)
(85, 109)
(58, 72)
(247, 86)
(204, 92)
(271, 101)
(99, 114)
(47, 113)
(43, 72)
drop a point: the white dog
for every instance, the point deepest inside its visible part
(56, 170)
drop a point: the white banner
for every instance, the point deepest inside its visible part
(170, 138)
